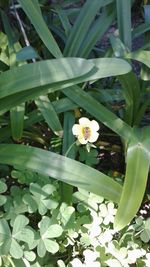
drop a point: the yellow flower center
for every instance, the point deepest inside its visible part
(86, 133)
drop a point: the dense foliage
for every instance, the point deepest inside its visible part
(75, 138)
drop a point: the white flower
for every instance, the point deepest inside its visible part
(107, 212)
(86, 130)
(147, 261)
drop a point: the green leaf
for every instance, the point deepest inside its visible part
(42, 197)
(99, 111)
(68, 149)
(45, 76)
(64, 20)
(17, 121)
(66, 214)
(138, 162)
(26, 53)
(48, 231)
(90, 158)
(51, 246)
(42, 73)
(132, 94)
(3, 200)
(140, 29)
(4, 230)
(45, 106)
(16, 250)
(40, 26)
(30, 255)
(96, 32)
(30, 202)
(141, 56)
(145, 235)
(124, 21)
(82, 24)
(3, 187)
(61, 168)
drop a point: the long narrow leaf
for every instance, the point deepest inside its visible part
(17, 121)
(124, 21)
(45, 106)
(131, 93)
(42, 73)
(96, 32)
(141, 56)
(68, 149)
(41, 27)
(61, 168)
(17, 113)
(99, 111)
(15, 82)
(138, 161)
(82, 24)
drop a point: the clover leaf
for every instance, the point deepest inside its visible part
(10, 240)
(90, 158)
(3, 188)
(145, 235)
(48, 231)
(40, 198)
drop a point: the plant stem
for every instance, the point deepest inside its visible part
(67, 152)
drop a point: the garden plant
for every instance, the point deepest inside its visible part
(73, 89)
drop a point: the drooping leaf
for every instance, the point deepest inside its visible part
(62, 168)
(138, 162)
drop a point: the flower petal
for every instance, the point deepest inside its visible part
(76, 129)
(84, 121)
(82, 140)
(94, 125)
(94, 136)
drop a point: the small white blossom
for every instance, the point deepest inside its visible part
(86, 130)
(107, 212)
(147, 261)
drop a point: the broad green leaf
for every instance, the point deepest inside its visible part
(45, 106)
(45, 76)
(138, 162)
(61, 168)
(109, 67)
(42, 73)
(141, 56)
(40, 26)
